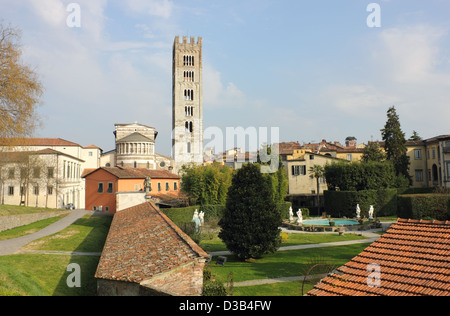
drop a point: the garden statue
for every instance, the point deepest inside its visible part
(195, 215)
(299, 217)
(196, 220)
(358, 212)
(371, 213)
(291, 215)
(202, 218)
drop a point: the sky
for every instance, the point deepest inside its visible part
(314, 69)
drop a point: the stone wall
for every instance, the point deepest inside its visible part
(13, 221)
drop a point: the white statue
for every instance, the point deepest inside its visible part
(202, 218)
(291, 215)
(371, 212)
(358, 212)
(299, 217)
(196, 220)
(195, 215)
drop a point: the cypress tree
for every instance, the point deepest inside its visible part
(251, 220)
(395, 144)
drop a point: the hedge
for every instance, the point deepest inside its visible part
(424, 206)
(212, 212)
(343, 203)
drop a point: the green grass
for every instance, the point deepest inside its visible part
(28, 229)
(43, 275)
(17, 210)
(87, 234)
(283, 263)
(293, 288)
(46, 275)
(216, 244)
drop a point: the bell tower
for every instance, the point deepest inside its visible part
(187, 108)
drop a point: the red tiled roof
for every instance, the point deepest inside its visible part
(133, 173)
(414, 260)
(39, 142)
(142, 243)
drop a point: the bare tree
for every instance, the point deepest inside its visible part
(20, 89)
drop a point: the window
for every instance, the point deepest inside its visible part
(175, 186)
(10, 191)
(448, 171)
(418, 154)
(49, 190)
(107, 209)
(419, 175)
(349, 157)
(51, 173)
(36, 190)
(110, 187)
(298, 170)
(167, 186)
(433, 153)
(91, 154)
(100, 187)
(36, 173)
(11, 172)
(188, 148)
(188, 76)
(189, 95)
(159, 187)
(188, 60)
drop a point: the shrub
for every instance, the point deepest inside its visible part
(343, 203)
(424, 206)
(251, 220)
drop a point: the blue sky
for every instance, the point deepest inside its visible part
(312, 68)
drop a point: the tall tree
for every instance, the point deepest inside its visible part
(373, 152)
(317, 172)
(395, 144)
(250, 223)
(415, 136)
(20, 89)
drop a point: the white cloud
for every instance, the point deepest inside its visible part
(159, 8)
(217, 94)
(52, 12)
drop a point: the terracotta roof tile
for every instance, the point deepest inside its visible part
(142, 243)
(414, 258)
(132, 173)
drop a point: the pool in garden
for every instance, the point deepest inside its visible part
(326, 222)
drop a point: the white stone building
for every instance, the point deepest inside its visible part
(44, 172)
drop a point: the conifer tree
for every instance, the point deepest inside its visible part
(251, 220)
(395, 144)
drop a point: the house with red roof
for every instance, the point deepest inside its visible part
(108, 188)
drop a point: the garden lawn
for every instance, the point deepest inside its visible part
(283, 263)
(216, 244)
(46, 275)
(29, 229)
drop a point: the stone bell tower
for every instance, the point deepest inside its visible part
(187, 116)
